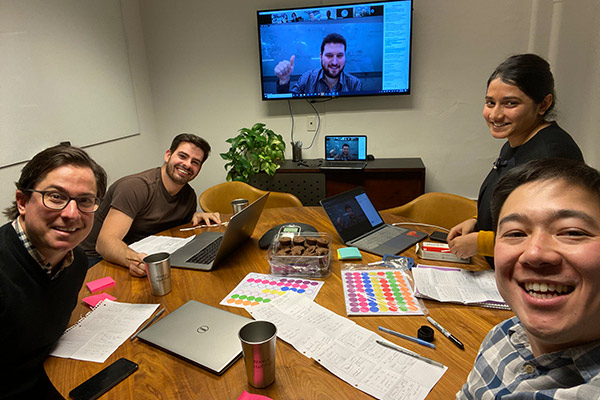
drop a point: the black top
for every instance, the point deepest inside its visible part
(550, 142)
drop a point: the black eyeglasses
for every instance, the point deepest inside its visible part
(58, 201)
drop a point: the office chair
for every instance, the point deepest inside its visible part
(436, 208)
(218, 198)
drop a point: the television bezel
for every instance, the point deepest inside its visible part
(340, 95)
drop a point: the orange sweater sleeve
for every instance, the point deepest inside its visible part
(485, 243)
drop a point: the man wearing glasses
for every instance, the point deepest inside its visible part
(41, 270)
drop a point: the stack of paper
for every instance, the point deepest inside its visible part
(456, 285)
(348, 350)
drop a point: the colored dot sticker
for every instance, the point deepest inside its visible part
(256, 289)
(379, 292)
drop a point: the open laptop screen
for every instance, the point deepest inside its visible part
(352, 213)
(346, 148)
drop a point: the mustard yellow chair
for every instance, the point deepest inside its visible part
(436, 208)
(218, 198)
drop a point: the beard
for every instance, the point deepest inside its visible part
(174, 175)
(330, 75)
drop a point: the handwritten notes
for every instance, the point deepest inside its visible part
(157, 244)
(97, 335)
(348, 350)
(457, 285)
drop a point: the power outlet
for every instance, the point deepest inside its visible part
(311, 123)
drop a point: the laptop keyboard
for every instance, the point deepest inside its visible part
(207, 254)
(343, 164)
(380, 237)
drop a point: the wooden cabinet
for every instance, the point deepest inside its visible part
(389, 182)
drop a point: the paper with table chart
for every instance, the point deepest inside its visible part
(157, 244)
(348, 350)
(457, 285)
(97, 335)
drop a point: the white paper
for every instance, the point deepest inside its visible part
(347, 350)
(96, 336)
(456, 285)
(158, 244)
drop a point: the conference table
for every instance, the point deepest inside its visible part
(164, 376)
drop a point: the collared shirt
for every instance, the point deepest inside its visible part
(46, 266)
(506, 368)
(314, 82)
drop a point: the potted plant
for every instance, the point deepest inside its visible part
(254, 150)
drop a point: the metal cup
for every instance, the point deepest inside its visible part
(159, 273)
(238, 205)
(258, 344)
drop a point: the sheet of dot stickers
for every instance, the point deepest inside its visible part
(379, 292)
(256, 289)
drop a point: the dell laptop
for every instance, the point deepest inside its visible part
(209, 248)
(359, 224)
(201, 334)
(345, 152)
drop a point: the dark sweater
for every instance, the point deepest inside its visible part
(34, 312)
(550, 142)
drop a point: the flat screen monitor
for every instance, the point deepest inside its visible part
(333, 51)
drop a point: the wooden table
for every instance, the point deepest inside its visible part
(162, 376)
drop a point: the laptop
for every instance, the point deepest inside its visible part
(201, 334)
(345, 152)
(359, 224)
(209, 248)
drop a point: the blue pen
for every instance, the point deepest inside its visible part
(403, 336)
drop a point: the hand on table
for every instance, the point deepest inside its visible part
(207, 218)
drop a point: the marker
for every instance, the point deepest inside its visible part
(450, 336)
(410, 353)
(204, 226)
(403, 336)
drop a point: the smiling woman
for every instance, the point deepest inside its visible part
(518, 104)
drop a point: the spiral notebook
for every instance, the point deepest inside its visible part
(458, 285)
(101, 331)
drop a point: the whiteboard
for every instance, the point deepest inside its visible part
(64, 76)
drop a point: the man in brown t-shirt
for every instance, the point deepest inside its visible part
(148, 202)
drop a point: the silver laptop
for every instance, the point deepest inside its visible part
(345, 152)
(359, 224)
(209, 248)
(203, 335)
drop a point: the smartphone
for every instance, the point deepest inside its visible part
(104, 380)
(439, 236)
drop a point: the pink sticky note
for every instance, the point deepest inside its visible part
(100, 284)
(250, 396)
(93, 300)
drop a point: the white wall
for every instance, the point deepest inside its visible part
(122, 156)
(204, 74)
(195, 68)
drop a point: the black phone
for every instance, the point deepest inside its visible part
(104, 380)
(439, 236)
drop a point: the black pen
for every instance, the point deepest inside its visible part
(450, 336)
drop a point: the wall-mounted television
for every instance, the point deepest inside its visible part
(357, 49)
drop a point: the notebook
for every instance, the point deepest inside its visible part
(359, 224)
(345, 152)
(201, 334)
(209, 248)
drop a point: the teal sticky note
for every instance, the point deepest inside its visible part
(349, 253)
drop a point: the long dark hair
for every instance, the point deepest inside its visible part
(531, 74)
